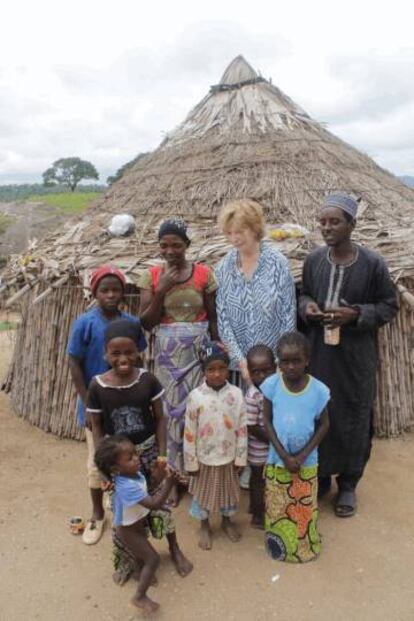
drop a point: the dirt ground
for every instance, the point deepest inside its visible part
(365, 570)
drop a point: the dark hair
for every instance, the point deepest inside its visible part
(261, 350)
(122, 328)
(295, 339)
(107, 453)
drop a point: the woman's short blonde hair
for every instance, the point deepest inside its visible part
(244, 213)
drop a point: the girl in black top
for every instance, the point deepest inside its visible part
(127, 400)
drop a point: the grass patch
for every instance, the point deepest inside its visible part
(68, 202)
(7, 325)
(5, 222)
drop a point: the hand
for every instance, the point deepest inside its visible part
(168, 279)
(244, 371)
(300, 458)
(313, 312)
(107, 486)
(292, 463)
(173, 476)
(158, 472)
(340, 316)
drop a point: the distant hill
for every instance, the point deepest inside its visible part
(408, 181)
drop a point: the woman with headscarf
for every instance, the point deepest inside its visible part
(178, 300)
(347, 295)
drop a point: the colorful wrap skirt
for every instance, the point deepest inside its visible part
(291, 514)
(177, 366)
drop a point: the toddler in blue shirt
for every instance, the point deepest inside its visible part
(116, 458)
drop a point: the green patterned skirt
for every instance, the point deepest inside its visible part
(291, 515)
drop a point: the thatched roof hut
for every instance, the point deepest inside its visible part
(245, 138)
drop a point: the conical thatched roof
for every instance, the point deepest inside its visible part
(245, 138)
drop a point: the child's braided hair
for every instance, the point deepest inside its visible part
(107, 453)
(295, 339)
(261, 350)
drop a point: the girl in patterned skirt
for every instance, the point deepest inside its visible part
(215, 444)
(296, 419)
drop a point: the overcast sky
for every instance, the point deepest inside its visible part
(106, 80)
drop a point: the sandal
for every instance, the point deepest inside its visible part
(346, 504)
(93, 531)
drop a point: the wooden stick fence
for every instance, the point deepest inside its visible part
(42, 391)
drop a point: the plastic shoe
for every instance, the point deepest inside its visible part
(93, 531)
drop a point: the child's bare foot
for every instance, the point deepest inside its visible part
(230, 530)
(182, 564)
(145, 605)
(121, 577)
(205, 542)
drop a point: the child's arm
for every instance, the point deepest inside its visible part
(316, 439)
(76, 371)
(158, 470)
(291, 463)
(76, 350)
(190, 436)
(258, 432)
(94, 413)
(160, 427)
(97, 429)
(241, 437)
(157, 500)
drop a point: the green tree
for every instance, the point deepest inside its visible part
(121, 171)
(69, 171)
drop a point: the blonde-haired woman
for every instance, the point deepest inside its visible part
(256, 294)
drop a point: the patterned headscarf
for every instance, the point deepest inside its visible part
(213, 350)
(342, 201)
(174, 226)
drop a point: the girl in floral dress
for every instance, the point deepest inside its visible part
(215, 444)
